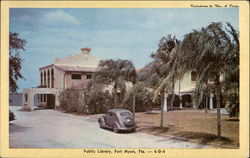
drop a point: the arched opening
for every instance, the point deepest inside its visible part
(176, 100)
(52, 78)
(186, 100)
(222, 102)
(48, 72)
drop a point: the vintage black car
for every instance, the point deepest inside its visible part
(117, 120)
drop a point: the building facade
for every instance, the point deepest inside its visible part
(71, 72)
(183, 91)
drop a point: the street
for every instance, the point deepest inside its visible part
(53, 129)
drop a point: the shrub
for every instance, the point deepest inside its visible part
(90, 101)
(98, 101)
(71, 100)
(233, 106)
(11, 116)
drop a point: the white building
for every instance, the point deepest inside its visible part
(71, 72)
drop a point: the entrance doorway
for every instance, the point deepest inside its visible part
(50, 101)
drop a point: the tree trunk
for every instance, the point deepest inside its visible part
(133, 106)
(172, 101)
(206, 103)
(206, 98)
(162, 106)
(115, 96)
(218, 92)
(173, 96)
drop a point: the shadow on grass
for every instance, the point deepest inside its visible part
(204, 138)
(234, 120)
(151, 113)
(150, 129)
(120, 131)
(171, 130)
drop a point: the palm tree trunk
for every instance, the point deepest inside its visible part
(218, 92)
(173, 95)
(206, 98)
(115, 96)
(206, 103)
(162, 106)
(133, 106)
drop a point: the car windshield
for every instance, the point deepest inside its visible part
(125, 114)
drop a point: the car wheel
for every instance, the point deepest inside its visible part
(115, 128)
(101, 124)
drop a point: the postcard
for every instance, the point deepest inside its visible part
(124, 79)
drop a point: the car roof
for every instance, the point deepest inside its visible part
(118, 110)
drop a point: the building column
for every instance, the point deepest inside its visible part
(181, 106)
(165, 103)
(211, 102)
(57, 102)
(31, 101)
(24, 102)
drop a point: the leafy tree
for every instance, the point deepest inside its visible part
(115, 73)
(15, 61)
(208, 52)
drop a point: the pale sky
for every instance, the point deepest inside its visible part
(111, 33)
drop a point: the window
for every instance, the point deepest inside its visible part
(88, 76)
(125, 114)
(76, 76)
(193, 76)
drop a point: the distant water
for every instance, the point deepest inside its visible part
(16, 99)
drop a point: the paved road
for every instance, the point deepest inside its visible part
(53, 129)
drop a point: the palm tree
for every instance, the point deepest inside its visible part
(158, 69)
(207, 52)
(115, 73)
(162, 58)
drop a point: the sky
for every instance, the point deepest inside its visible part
(112, 33)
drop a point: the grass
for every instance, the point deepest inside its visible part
(191, 125)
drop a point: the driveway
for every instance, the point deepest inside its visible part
(53, 129)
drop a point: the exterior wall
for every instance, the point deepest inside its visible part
(69, 82)
(62, 79)
(59, 78)
(185, 84)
